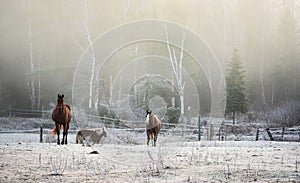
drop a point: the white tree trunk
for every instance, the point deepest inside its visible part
(31, 82)
(110, 90)
(97, 86)
(92, 57)
(181, 104)
(120, 89)
(39, 86)
(262, 85)
(273, 90)
(262, 55)
(177, 68)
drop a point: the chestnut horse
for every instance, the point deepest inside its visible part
(153, 125)
(61, 115)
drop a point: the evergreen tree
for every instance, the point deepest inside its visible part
(236, 90)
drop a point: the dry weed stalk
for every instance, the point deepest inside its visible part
(58, 166)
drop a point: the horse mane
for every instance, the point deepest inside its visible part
(68, 106)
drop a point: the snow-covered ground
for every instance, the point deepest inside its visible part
(23, 159)
(123, 157)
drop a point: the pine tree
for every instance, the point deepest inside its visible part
(236, 88)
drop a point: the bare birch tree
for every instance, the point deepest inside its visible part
(177, 68)
(262, 53)
(39, 85)
(110, 90)
(31, 83)
(91, 55)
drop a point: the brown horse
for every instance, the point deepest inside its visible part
(61, 115)
(153, 125)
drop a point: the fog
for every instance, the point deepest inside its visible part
(45, 46)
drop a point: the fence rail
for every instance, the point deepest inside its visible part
(21, 112)
(284, 134)
(273, 134)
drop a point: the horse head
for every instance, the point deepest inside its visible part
(148, 114)
(60, 102)
(101, 132)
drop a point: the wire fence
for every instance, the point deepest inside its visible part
(8, 111)
(93, 121)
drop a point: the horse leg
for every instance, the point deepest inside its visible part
(63, 139)
(155, 138)
(148, 136)
(57, 126)
(66, 132)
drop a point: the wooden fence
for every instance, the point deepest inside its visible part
(207, 132)
(272, 134)
(284, 134)
(19, 112)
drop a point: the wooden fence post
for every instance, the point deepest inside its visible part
(257, 134)
(199, 127)
(211, 133)
(270, 135)
(207, 134)
(226, 133)
(282, 133)
(220, 134)
(41, 134)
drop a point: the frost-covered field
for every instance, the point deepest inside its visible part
(23, 159)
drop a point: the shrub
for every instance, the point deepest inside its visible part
(108, 112)
(173, 115)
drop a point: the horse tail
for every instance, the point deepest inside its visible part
(54, 132)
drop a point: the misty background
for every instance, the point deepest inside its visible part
(41, 43)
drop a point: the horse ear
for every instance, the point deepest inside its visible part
(62, 95)
(58, 95)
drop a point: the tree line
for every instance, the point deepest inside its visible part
(265, 33)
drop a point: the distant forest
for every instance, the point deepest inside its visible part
(42, 42)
